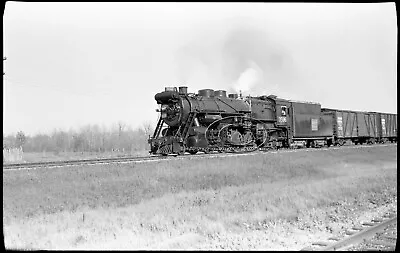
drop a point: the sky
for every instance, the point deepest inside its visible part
(73, 64)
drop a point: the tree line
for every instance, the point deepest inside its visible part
(89, 138)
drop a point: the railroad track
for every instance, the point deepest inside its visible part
(379, 234)
(78, 162)
(18, 166)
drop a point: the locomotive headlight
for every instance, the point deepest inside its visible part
(170, 113)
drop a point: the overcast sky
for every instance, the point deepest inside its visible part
(71, 64)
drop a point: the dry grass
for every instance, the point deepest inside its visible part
(181, 204)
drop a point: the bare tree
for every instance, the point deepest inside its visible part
(78, 143)
(60, 139)
(20, 139)
(121, 128)
(148, 128)
(88, 138)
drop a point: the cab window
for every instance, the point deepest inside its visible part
(283, 112)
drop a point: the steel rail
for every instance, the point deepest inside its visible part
(105, 160)
(78, 162)
(116, 160)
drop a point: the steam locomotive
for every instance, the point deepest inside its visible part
(212, 121)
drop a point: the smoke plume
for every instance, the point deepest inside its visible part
(241, 58)
(251, 77)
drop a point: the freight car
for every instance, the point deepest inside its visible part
(212, 121)
(362, 127)
(387, 127)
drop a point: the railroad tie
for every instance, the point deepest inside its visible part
(377, 220)
(309, 248)
(357, 228)
(368, 224)
(320, 243)
(362, 235)
(349, 232)
(334, 238)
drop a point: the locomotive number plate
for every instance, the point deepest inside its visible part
(282, 119)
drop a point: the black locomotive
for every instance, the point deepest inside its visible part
(212, 121)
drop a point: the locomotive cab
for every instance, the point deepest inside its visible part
(282, 113)
(263, 108)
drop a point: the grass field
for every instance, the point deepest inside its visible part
(206, 203)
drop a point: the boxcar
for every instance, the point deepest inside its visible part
(359, 127)
(387, 126)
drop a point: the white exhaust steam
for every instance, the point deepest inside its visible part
(250, 78)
